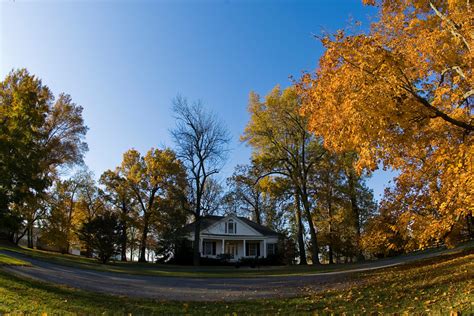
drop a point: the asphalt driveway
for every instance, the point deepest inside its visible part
(191, 289)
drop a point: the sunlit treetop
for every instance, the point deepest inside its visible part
(402, 94)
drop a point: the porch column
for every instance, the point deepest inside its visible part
(245, 250)
(264, 248)
(223, 249)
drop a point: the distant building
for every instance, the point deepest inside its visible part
(74, 249)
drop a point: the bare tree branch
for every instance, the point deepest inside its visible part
(453, 27)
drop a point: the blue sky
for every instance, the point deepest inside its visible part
(124, 62)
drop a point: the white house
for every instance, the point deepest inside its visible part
(235, 236)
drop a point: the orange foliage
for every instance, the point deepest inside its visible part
(402, 95)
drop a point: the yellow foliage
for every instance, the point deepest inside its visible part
(402, 95)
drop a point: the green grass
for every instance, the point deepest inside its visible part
(9, 261)
(181, 271)
(436, 286)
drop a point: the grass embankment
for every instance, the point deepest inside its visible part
(9, 261)
(438, 285)
(190, 271)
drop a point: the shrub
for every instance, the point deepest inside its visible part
(102, 235)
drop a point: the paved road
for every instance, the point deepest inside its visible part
(190, 289)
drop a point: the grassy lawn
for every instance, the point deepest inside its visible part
(9, 261)
(439, 285)
(183, 271)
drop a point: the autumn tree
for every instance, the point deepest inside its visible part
(360, 198)
(401, 95)
(64, 217)
(90, 202)
(201, 141)
(168, 224)
(38, 134)
(381, 236)
(282, 143)
(299, 228)
(277, 201)
(151, 178)
(331, 203)
(343, 206)
(29, 211)
(90, 197)
(119, 194)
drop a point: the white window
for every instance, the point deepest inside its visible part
(231, 227)
(209, 248)
(271, 249)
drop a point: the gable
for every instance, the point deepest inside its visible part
(242, 228)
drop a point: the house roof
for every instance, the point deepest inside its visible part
(209, 220)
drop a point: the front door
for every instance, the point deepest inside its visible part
(231, 249)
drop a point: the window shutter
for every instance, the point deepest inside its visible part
(247, 250)
(258, 249)
(214, 248)
(235, 228)
(225, 224)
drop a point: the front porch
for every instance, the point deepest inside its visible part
(235, 249)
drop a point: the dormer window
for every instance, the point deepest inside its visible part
(231, 227)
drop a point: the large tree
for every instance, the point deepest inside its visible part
(29, 211)
(119, 194)
(90, 202)
(283, 145)
(151, 178)
(402, 94)
(64, 216)
(201, 141)
(38, 134)
(343, 205)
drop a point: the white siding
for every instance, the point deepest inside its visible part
(242, 228)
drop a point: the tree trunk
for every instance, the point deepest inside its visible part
(330, 255)
(299, 231)
(123, 247)
(197, 225)
(470, 226)
(355, 211)
(197, 241)
(329, 202)
(17, 239)
(258, 215)
(143, 239)
(30, 236)
(312, 230)
(88, 251)
(123, 250)
(67, 244)
(11, 237)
